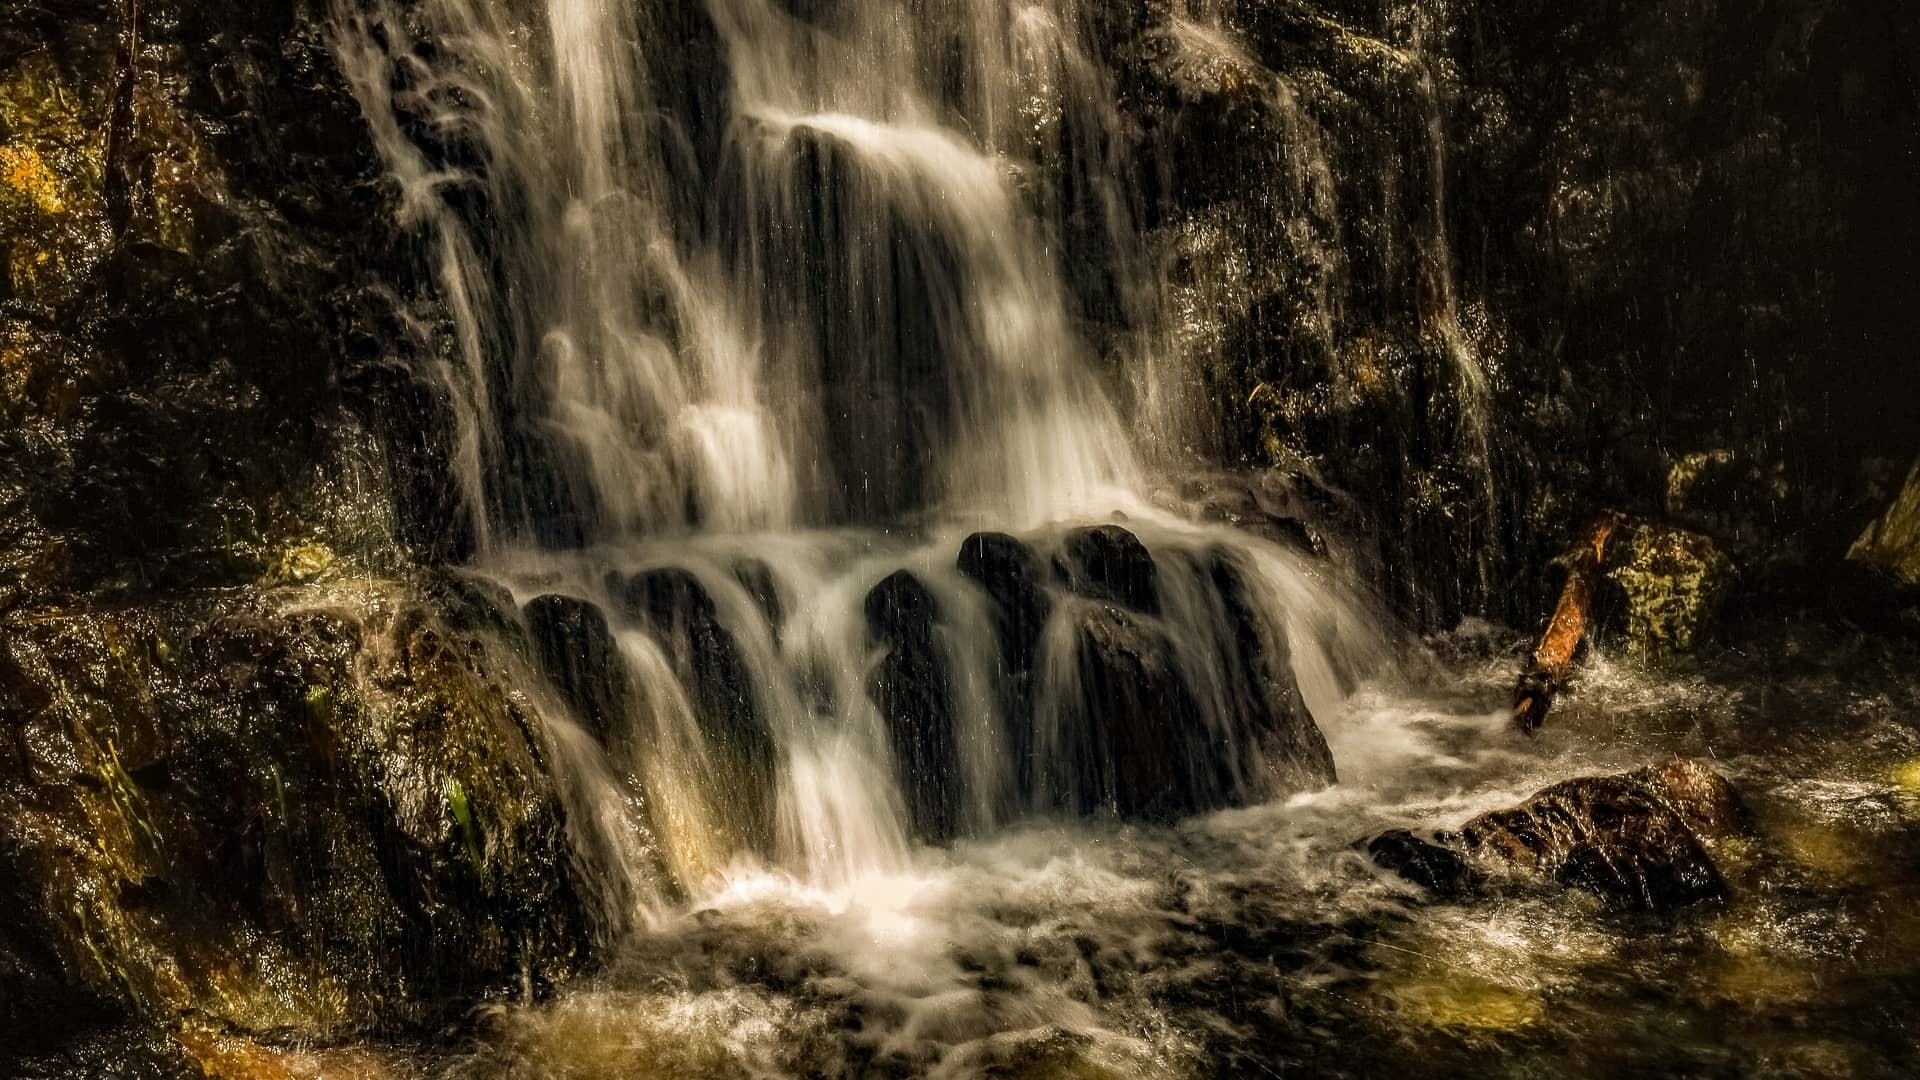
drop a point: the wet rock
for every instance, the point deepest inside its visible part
(1728, 494)
(300, 564)
(1260, 503)
(913, 690)
(1674, 583)
(473, 605)
(1106, 562)
(681, 615)
(1705, 800)
(755, 576)
(275, 819)
(1130, 738)
(574, 645)
(1637, 840)
(1015, 579)
(1289, 754)
(1440, 870)
(1892, 542)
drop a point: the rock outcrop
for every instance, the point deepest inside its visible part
(678, 611)
(1892, 542)
(309, 813)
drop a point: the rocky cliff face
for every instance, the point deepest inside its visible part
(1491, 268)
(319, 809)
(206, 334)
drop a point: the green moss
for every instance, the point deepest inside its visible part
(462, 814)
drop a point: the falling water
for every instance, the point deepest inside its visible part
(756, 318)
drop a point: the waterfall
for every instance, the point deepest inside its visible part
(776, 417)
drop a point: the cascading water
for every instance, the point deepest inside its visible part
(747, 343)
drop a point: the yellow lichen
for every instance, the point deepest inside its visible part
(25, 171)
(1906, 776)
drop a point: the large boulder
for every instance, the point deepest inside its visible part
(1286, 751)
(913, 690)
(1129, 734)
(1674, 583)
(1637, 840)
(309, 817)
(1106, 562)
(680, 614)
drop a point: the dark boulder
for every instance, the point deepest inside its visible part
(679, 613)
(1130, 731)
(1288, 752)
(1637, 840)
(913, 690)
(1440, 870)
(1014, 577)
(473, 606)
(575, 646)
(755, 576)
(1106, 562)
(1015, 581)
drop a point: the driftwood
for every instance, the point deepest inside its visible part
(1552, 660)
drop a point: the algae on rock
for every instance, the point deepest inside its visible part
(1674, 582)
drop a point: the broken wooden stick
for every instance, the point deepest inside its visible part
(1552, 660)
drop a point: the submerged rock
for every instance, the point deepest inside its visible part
(1106, 562)
(913, 690)
(1637, 840)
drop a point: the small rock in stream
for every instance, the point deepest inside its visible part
(1637, 839)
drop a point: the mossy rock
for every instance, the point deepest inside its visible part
(1892, 542)
(312, 813)
(1674, 583)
